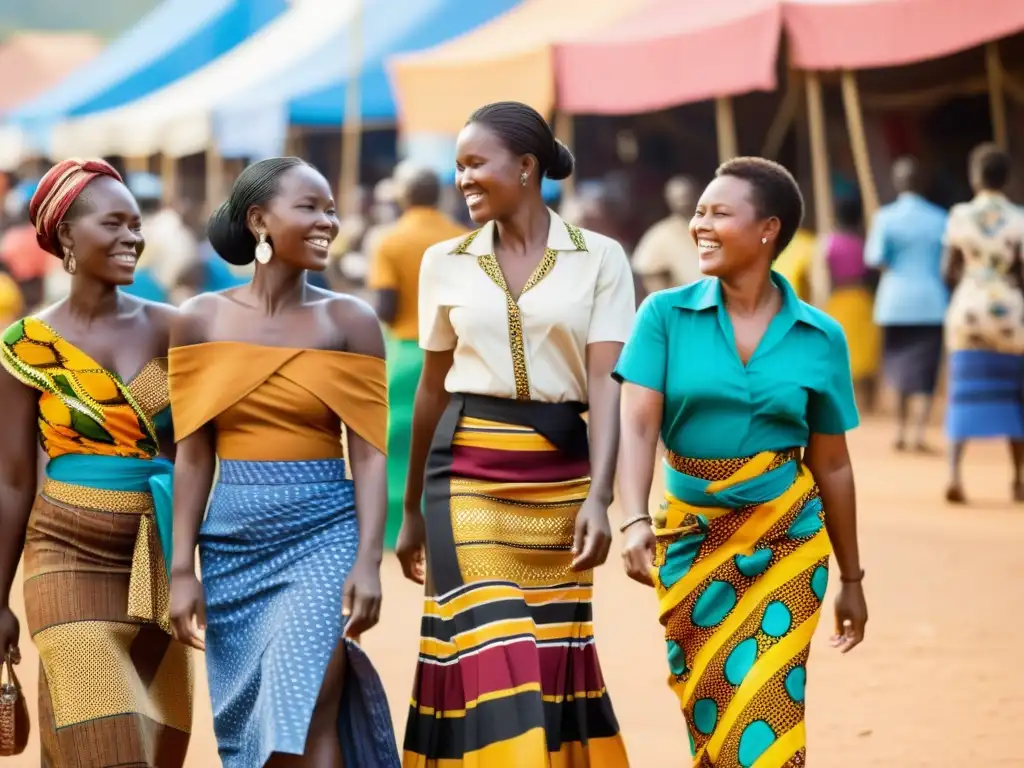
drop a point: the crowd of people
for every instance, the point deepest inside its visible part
(475, 414)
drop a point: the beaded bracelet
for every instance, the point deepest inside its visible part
(634, 519)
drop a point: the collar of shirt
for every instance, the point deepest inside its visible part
(561, 237)
(707, 294)
(990, 195)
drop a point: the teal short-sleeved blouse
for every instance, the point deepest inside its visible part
(797, 381)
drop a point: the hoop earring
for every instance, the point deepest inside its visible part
(523, 178)
(264, 251)
(70, 265)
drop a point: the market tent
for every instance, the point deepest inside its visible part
(177, 38)
(312, 90)
(37, 61)
(177, 120)
(860, 34)
(509, 58)
(670, 53)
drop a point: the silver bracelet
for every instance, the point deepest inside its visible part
(632, 520)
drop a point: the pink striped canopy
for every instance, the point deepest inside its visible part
(673, 52)
(860, 34)
(669, 53)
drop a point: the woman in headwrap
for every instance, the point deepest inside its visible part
(87, 380)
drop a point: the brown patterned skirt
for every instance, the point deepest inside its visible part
(114, 688)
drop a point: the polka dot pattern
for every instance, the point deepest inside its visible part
(756, 738)
(819, 581)
(277, 543)
(676, 658)
(796, 683)
(777, 619)
(736, 625)
(714, 604)
(741, 661)
(755, 563)
(705, 716)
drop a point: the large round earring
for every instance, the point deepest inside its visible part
(70, 265)
(523, 178)
(264, 251)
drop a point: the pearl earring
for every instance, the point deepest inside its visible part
(264, 251)
(523, 178)
(764, 241)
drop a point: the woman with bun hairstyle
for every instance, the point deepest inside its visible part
(507, 498)
(86, 380)
(265, 377)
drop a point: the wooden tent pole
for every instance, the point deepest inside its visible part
(136, 164)
(859, 145)
(352, 129)
(787, 112)
(725, 127)
(996, 94)
(214, 177)
(564, 127)
(823, 206)
(294, 144)
(169, 178)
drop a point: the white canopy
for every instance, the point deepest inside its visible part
(177, 120)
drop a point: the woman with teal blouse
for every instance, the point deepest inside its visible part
(751, 392)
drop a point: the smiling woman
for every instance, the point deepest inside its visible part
(756, 470)
(87, 380)
(264, 378)
(521, 322)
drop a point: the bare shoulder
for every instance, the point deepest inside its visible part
(161, 317)
(191, 323)
(357, 324)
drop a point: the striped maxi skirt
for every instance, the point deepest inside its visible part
(508, 672)
(741, 569)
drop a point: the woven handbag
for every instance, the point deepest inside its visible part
(14, 726)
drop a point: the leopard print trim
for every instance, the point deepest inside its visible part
(722, 469)
(489, 264)
(463, 247)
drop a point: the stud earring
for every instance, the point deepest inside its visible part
(764, 241)
(523, 178)
(70, 265)
(264, 251)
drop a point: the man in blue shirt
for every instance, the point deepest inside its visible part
(905, 243)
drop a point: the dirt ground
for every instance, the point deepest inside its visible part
(939, 681)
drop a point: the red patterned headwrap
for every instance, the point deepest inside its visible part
(57, 191)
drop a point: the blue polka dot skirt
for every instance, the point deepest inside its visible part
(277, 544)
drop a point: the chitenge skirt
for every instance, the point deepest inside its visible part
(911, 356)
(741, 568)
(985, 395)
(508, 672)
(115, 689)
(277, 544)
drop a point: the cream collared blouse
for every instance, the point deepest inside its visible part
(534, 349)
